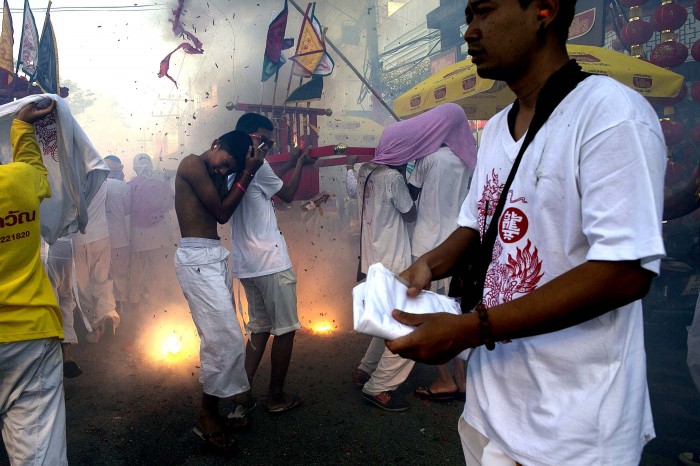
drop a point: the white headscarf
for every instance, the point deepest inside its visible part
(143, 165)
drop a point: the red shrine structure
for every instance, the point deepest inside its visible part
(294, 126)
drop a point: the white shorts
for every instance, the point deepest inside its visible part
(201, 267)
(272, 302)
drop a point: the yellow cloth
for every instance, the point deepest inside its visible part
(28, 307)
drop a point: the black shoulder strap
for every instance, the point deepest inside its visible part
(557, 87)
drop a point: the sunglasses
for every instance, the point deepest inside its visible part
(263, 139)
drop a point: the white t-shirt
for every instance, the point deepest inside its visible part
(384, 233)
(117, 208)
(589, 187)
(444, 182)
(96, 228)
(258, 247)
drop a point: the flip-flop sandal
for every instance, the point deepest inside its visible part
(424, 393)
(209, 439)
(296, 401)
(71, 370)
(242, 411)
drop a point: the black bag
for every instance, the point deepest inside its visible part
(470, 269)
(465, 282)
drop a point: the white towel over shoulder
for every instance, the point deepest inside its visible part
(381, 293)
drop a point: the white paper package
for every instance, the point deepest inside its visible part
(381, 293)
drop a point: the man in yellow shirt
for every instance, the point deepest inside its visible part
(32, 406)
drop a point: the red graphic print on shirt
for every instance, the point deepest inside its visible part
(521, 272)
(489, 199)
(513, 225)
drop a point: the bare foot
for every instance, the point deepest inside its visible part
(212, 430)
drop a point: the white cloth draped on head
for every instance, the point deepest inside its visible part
(76, 170)
(412, 139)
(143, 165)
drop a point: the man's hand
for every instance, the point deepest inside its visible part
(305, 158)
(437, 338)
(418, 276)
(29, 113)
(350, 161)
(254, 160)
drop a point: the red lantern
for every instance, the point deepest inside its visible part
(695, 50)
(636, 32)
(669, 54)
(673, 131)
(695, 91)
(669, 16)
(695, 134)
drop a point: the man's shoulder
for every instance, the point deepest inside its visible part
(607, 93)
(189, 163)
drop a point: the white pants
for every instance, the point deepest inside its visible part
(201, 267)
(59, 268)
(392, 370)
(119, 271)
(32, 404)
(694, 347)
(479, 450)
(95, 288)
(374, 353)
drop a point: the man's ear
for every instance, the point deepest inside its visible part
(547, 11)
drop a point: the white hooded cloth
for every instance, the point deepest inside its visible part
(76, 170)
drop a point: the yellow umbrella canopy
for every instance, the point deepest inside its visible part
(482, 98)
(349, 130)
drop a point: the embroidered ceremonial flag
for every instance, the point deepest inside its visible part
(28, 44)
(47, 63)
(326, 64)
(312, 90)
(310, 48)
(7, 41)
(311, 57)
(273, 59)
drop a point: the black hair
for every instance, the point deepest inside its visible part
(236, 143)
(562, 22)
(251, 122)
(113, 158)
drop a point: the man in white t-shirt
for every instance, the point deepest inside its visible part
(261, 261)
(117, 207)
(92, 256)
(439, 182)
(385, 207)
(558, 373)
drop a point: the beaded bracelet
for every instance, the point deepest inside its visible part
(240, 186)
(485, 327)
(248, 173)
